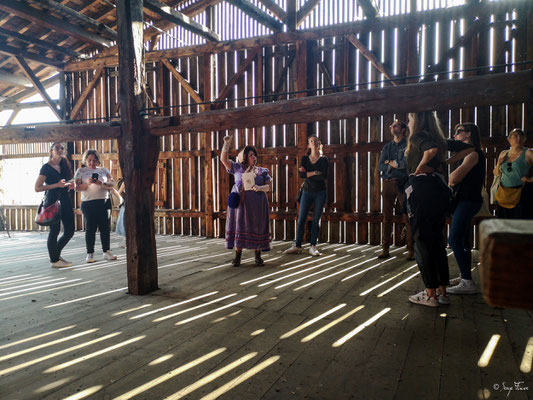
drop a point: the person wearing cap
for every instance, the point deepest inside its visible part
(392, 166)
(247, 223)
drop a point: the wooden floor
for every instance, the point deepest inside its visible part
(337, 326)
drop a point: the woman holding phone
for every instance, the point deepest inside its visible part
(94, 183)
(54, 178)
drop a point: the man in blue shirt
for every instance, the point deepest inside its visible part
(392, 166)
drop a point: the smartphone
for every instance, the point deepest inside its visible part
(94, 177)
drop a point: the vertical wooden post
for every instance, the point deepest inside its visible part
(206, 138)
(138, 151)
(291, 15)
(528, 110)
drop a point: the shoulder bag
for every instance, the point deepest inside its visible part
(50, 215)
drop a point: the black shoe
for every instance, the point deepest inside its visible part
(258, 260)
(237, 260)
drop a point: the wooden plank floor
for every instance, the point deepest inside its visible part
(337, 326)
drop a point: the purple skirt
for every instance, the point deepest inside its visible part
(247, 226)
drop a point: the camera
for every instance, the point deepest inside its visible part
(94, 177)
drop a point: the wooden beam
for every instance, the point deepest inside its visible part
(15, 51)
(305, 10)
(256, 13)
(59, 133)
(278, 39)
(224, 93)
(371, 57)
(199, 7)
(22, 106)
(370, 8)
(13, 100)
(180, 19)
(12, 79)
(275, 9)
(23, 10)
(70, 14)
(186, 85)
(291, 15)
(38, 85)
(12, 117)
(484, 90)
(83, 96)
(38, 42)
(138, 151)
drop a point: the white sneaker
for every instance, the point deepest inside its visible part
(455, 281)
(293, 250)
(90, 258)
(314, 251)
(464, 287)
(443, 299)
(61, 264)
(62, 259)
(109, 256)
(422, 298)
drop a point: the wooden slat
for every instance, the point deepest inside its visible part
(196, 97)
(86, 91)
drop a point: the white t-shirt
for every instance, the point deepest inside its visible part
(93, 191)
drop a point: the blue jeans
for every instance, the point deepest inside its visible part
(307, 200)
(459, 239)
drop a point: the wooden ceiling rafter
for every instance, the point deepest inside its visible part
(180, 19)
(370, 8)
(256, 13)
(275, 9)
(15, 51)
(16, 98)
(38, 85)
(25, 11)
(83, 19)
(38, 42)
(13, 79)
(305, 10)
(198, 7)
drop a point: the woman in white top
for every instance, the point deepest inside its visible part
(94, 183)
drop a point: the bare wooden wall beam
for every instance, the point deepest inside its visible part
(82, 19)
(370, 56)
(186, 85)
(38, 85)
(85, 93)
(38, 42)
(25, 11)
(256, 13)
(225, 92)
(180, 19)
(138, 151)
(59, 133)
(497, 89)
(375, 24)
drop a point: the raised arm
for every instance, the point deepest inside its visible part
(224, 155)
(459, 155)
(427, 157)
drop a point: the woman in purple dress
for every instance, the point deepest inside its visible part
(247, 224)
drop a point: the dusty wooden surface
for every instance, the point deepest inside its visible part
(248, 332)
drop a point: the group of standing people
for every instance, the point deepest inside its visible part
(94, 182)
(414, 171)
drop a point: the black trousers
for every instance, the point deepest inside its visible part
(96, 217)
(55, 245)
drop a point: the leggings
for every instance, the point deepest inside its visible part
(54, 244)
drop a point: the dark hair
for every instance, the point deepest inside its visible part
(246, 150)
(320, 147)
(474, 133)
(519, 132)
(65, 166)
(402, 124)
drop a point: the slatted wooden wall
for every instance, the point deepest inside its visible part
(191, 184)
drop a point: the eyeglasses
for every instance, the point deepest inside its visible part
(509, 167)
(59, 148)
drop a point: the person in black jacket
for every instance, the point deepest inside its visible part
(467, 181)
(314, 168)
(54, 178)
